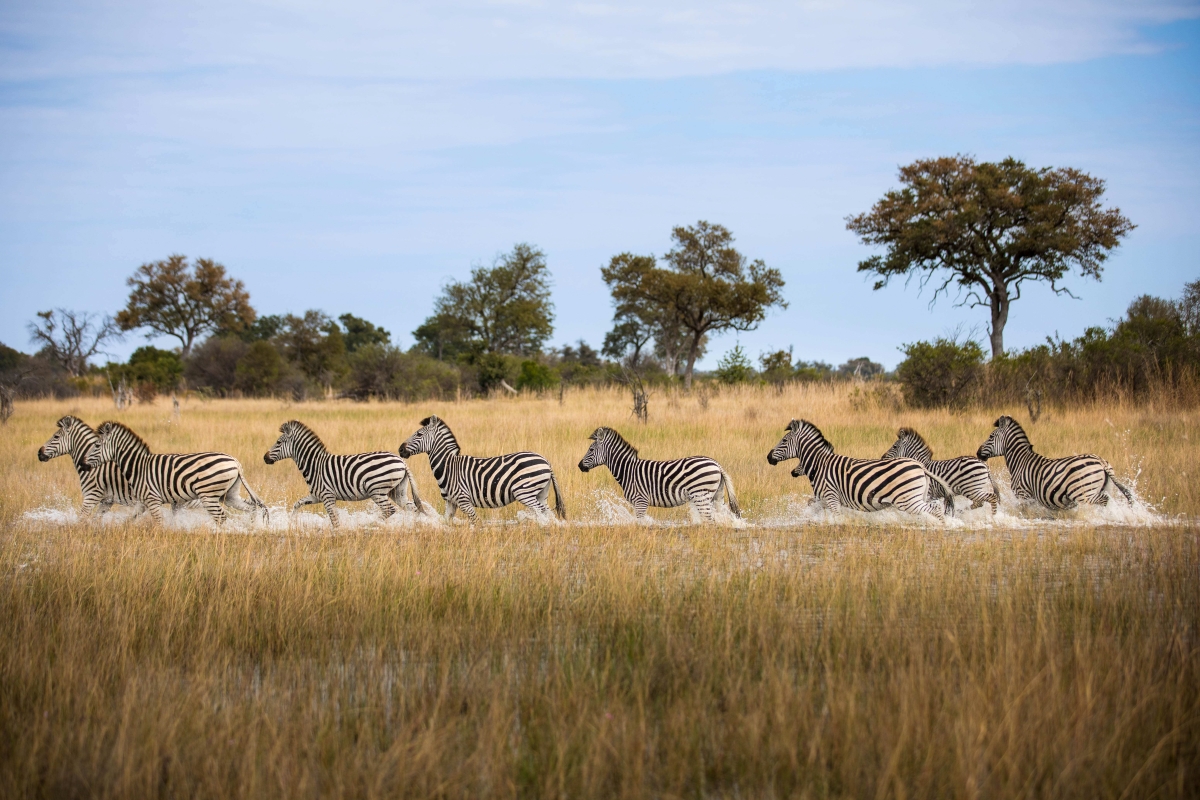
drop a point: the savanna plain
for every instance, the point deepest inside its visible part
(789, 655)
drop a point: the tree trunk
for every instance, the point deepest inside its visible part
(693, 349)
(999, 304)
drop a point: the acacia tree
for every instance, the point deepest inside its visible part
(989, 228)
(705, 287)
(72, 338)
(504, 309)
(174, 299)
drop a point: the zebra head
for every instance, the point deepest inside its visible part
(113, 442)
(801, 440)
(604, 442)
(72, 434)
(1008, 432)
(909, 444)
(285, 445)
(433, 432)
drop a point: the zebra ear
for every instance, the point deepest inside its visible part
(65, 422)
(794, 425)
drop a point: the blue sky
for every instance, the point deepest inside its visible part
(354, 160)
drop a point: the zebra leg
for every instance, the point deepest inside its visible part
(399, 494)
(212, 505)
(536, 501)
(330, 504)
(384, 501)
(155, 507)
(307, 500)
(703, 503)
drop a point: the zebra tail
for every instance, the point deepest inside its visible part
(398, 492)
(729, 493)
(253, 497)
(560, 508)
(945, 492)
(1109, 478)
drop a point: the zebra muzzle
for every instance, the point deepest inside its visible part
(42, 454)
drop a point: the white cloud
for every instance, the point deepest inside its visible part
(474, 40)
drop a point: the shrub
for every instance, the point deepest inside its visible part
(259, 369)
(940, 373)
(150, 370)
(735, 367)
(386, 372)
(535, 376)
(213, 365)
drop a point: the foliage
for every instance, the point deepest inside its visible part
(149, 366)
(212, 365)
(502, 309)
(861, 368)
(581, 365)
(171, 298)
(360, 332)
(706, 287)
(809, 371)
(72, 338)
(259, 369)
(535, 376)
(386, 372)
(315, 346)
(493, 369)
(735, 367)
(988, 228)
(941, 373)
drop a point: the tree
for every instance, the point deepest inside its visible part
(777, 367)
(502, 309)
(162, 369)
(71, 338)
(174, 299)
(706, 287)
(940, 373)
(360, 333)
(735, 367)
(314, 344)
(989, 228)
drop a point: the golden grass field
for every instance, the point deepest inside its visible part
(1040, 655)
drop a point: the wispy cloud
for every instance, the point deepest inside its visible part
(472, 40)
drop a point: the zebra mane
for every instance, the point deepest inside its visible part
(1005, 420)
(68, 421)
(137, 441)
(604, 431)
(911, 433)
(294, 426)
(821, 440)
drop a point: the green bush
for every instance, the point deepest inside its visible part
(149, 367)
(386, 372)
(735, 367)
(535, 376)
(258, 371)
(940, 373)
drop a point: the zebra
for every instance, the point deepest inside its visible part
(101, 486)
(158, 478)
(866, 485)
(382, 477)
(1053, 482)
(663, 484)
(468, 482)
(965, 475)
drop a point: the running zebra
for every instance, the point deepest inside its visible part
(866, 485)
(382, 477)
(663, 484)
(101, 486)
(966, 475)
(158, 478)
(1053, 482)
(468, 482)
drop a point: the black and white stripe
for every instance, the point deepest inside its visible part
(101, 486)
(1053, 482)
(866, 485)
(663, 484)
(156, 479)
(382, 477)
(965, 475)
(467, 482)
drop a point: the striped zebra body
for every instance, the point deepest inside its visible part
(866, 485)
(156, 479)
(965, 475)
(101, 486)
(467, 483)
(663, 484)
(381, 477)
(1053, 482)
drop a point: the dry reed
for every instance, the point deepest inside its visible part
(599, 659)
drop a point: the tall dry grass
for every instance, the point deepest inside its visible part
(597, 659)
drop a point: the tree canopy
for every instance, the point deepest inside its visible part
(72, 338)
(989, 228)
(172, 298)
(704, 287)
(502, 309)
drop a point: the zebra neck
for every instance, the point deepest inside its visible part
(439, 460)
(134, 463)
(1019, 455)
(310, 463)
(924, 458)
(621, 463)
(814, 458)
(78, 452)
